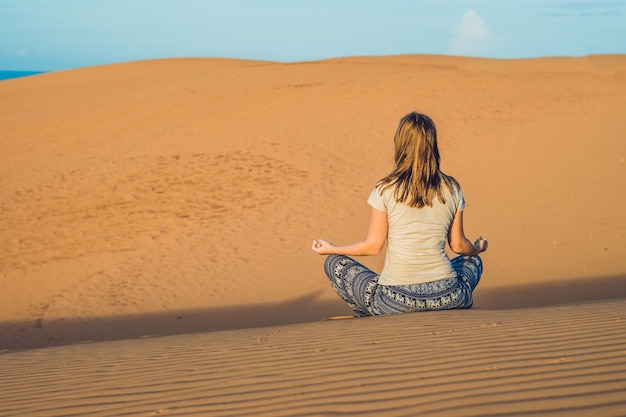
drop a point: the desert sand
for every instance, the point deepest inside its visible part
(157, 219)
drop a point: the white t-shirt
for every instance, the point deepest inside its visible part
(416, 238)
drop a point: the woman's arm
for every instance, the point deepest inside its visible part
(459, 243)
(371, 245)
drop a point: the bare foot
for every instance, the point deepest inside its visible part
(340, 317)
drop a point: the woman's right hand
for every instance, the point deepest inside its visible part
(481, 244)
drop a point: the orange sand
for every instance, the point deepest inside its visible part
(175, 196)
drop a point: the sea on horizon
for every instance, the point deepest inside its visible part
(7, 75)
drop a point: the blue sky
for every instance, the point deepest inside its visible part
(52, 35)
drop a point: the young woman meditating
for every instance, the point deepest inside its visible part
(415, 209)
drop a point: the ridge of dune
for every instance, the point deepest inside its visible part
(159, 187)
(559, 361)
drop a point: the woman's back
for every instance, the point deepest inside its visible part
(417, 237)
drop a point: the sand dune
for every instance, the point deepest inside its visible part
(567, 361)
(162, 198)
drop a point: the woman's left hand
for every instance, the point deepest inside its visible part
(322, 247)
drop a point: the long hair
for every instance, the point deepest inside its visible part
(417, 178)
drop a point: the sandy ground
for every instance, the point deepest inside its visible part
(164, 198)
(564, 360)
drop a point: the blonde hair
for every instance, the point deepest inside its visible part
(417, 178)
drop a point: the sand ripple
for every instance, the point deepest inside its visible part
(567, 360)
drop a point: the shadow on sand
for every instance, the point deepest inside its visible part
(56, 332)
(45, 333)
(551, 293)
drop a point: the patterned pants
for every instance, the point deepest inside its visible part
(358, 286)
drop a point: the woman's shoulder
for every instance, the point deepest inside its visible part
(449, 192)
(377, 199)
(456, 195)
(451, 185)
(385, 191)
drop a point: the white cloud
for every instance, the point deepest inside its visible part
(471, 35)
(472, 27)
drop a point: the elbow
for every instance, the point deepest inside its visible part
(461, 249)
(458, 250)
(374, 248)
(375, 251)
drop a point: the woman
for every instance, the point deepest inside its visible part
(415, 209)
